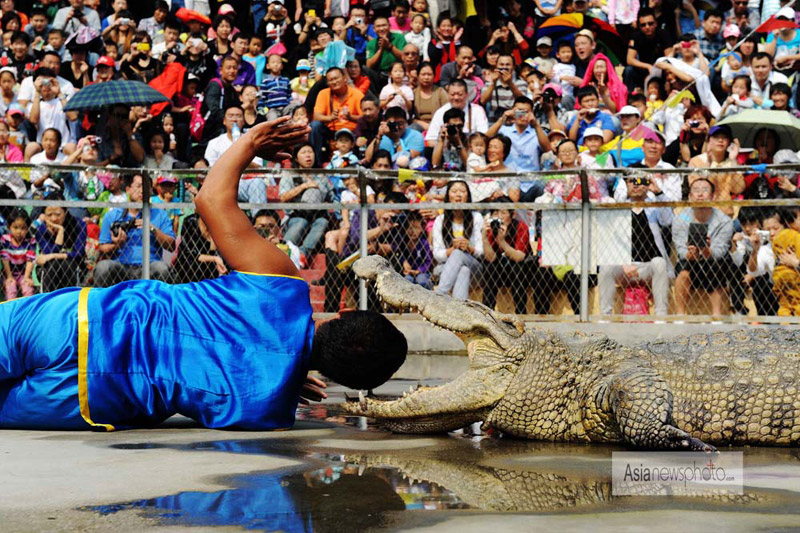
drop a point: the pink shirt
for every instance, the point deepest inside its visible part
(405, 28)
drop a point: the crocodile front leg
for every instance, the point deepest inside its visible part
(641, 404)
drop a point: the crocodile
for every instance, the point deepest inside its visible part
(686, 393)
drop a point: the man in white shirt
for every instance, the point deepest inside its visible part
(763, 77)
(46, 110)
(474, 115)
(76, 15)
(661, 187)
(252, 190)
(50, 60)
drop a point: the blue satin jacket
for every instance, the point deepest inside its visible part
(228, 352)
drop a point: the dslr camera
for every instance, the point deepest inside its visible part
(549, 96)
(394, 127)
(124, 225)
(495, 225)
(452, 130)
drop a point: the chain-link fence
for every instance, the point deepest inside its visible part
(616, 245)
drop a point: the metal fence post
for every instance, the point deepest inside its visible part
(146, 225)
(586, 240)
(364, 214)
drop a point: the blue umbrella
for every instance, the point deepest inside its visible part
(106, 94)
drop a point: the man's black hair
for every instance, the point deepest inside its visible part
(749, 214)
(20, 36)
(401, 3)
(761, 55)
(39, 10)
(451, 114)
(713, 13)
(161, 5)
(395, 197)
(458, 82)
(241, 35)
(266, 213)
(636, 97)
(645, 12)
(395, 112)
(523, 100)
(172, 23)
(322, 30)
(585, 91)
(360, 350)
(43, 71)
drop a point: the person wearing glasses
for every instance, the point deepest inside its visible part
(651, 265)
(661, 187)
(646, 45)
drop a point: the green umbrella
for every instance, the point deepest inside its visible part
(106, 94)
(747, 123)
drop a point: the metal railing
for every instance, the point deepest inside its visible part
(568, 258)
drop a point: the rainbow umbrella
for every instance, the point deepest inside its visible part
(568, 24)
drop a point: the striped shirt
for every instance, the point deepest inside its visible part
(275, 92)
(17, 255)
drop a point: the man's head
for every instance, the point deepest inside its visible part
(457, 94)
(359, 349)
(267, 223)
(453, 120)
(397, 121)
(505, 63)
(637, 187)
(400, 11)
(161, 11)
(587, 97)
(761, 64)
(336, 81)
(45, 79)
(240, 42)
(584, 45)
(233, 115)
(38, 19)
(701, 190)
(522, 111)
(712, 22)
(647, 21)
(370, 109)
(229, 69)
(381, 26)
(133, 187)
(653, 147)
(465, 57)
(51, 60)
(19, 44)
(411, 56)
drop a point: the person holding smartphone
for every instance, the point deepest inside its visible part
(703, 264)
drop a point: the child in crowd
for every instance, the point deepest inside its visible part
(343, 157)
(592, 159)
(168, 127)
(302, 83)
(255, 57)
(158, 157)
(42, 183)
(655, 97)
(85, 184)
(740, 97)
(785, 236)
(731, 68)
(300, 115)
(165, 189)
(754, 262)
(476, 159)
(335, 239)
(397, 93)
(564, 70)
(399, 21)
(420, 34)
(275, 90)
(419, 7)
(415, 253)
(18, 253)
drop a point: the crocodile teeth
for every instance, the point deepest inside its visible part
(362, 402)
(361, 469)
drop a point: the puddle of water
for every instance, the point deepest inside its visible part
(361, 478)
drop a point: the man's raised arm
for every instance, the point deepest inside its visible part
(238, 242)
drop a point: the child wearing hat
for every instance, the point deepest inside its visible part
(303, 82)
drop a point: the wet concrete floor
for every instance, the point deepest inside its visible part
(334, 473)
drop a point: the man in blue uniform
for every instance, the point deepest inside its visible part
(228, 352)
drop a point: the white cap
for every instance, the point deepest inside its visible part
(547, 41)
(629, 110)
(785, 12)
(593, 131)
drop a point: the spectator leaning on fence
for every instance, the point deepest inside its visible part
(62, 247)
(121, 239)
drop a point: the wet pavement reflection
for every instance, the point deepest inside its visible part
(361, 478)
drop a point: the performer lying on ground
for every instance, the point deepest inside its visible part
(228, 352)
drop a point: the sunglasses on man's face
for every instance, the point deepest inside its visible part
(648, 24)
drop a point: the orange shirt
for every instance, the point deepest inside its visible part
(352, 100)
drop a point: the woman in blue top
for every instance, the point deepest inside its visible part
(228, 352)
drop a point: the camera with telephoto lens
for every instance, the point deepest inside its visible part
(549, 96)
(495, 225)
(452, 130)
(394, 127)
(124, 225)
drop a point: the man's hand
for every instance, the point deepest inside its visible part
(220, 263)
(692, 253)
(270, 139)
(120, 239)
(312, 391)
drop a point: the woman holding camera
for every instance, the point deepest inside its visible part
(137, 64)
(457, 243)
(505, 245)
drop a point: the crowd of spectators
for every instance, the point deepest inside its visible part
(404, 85)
